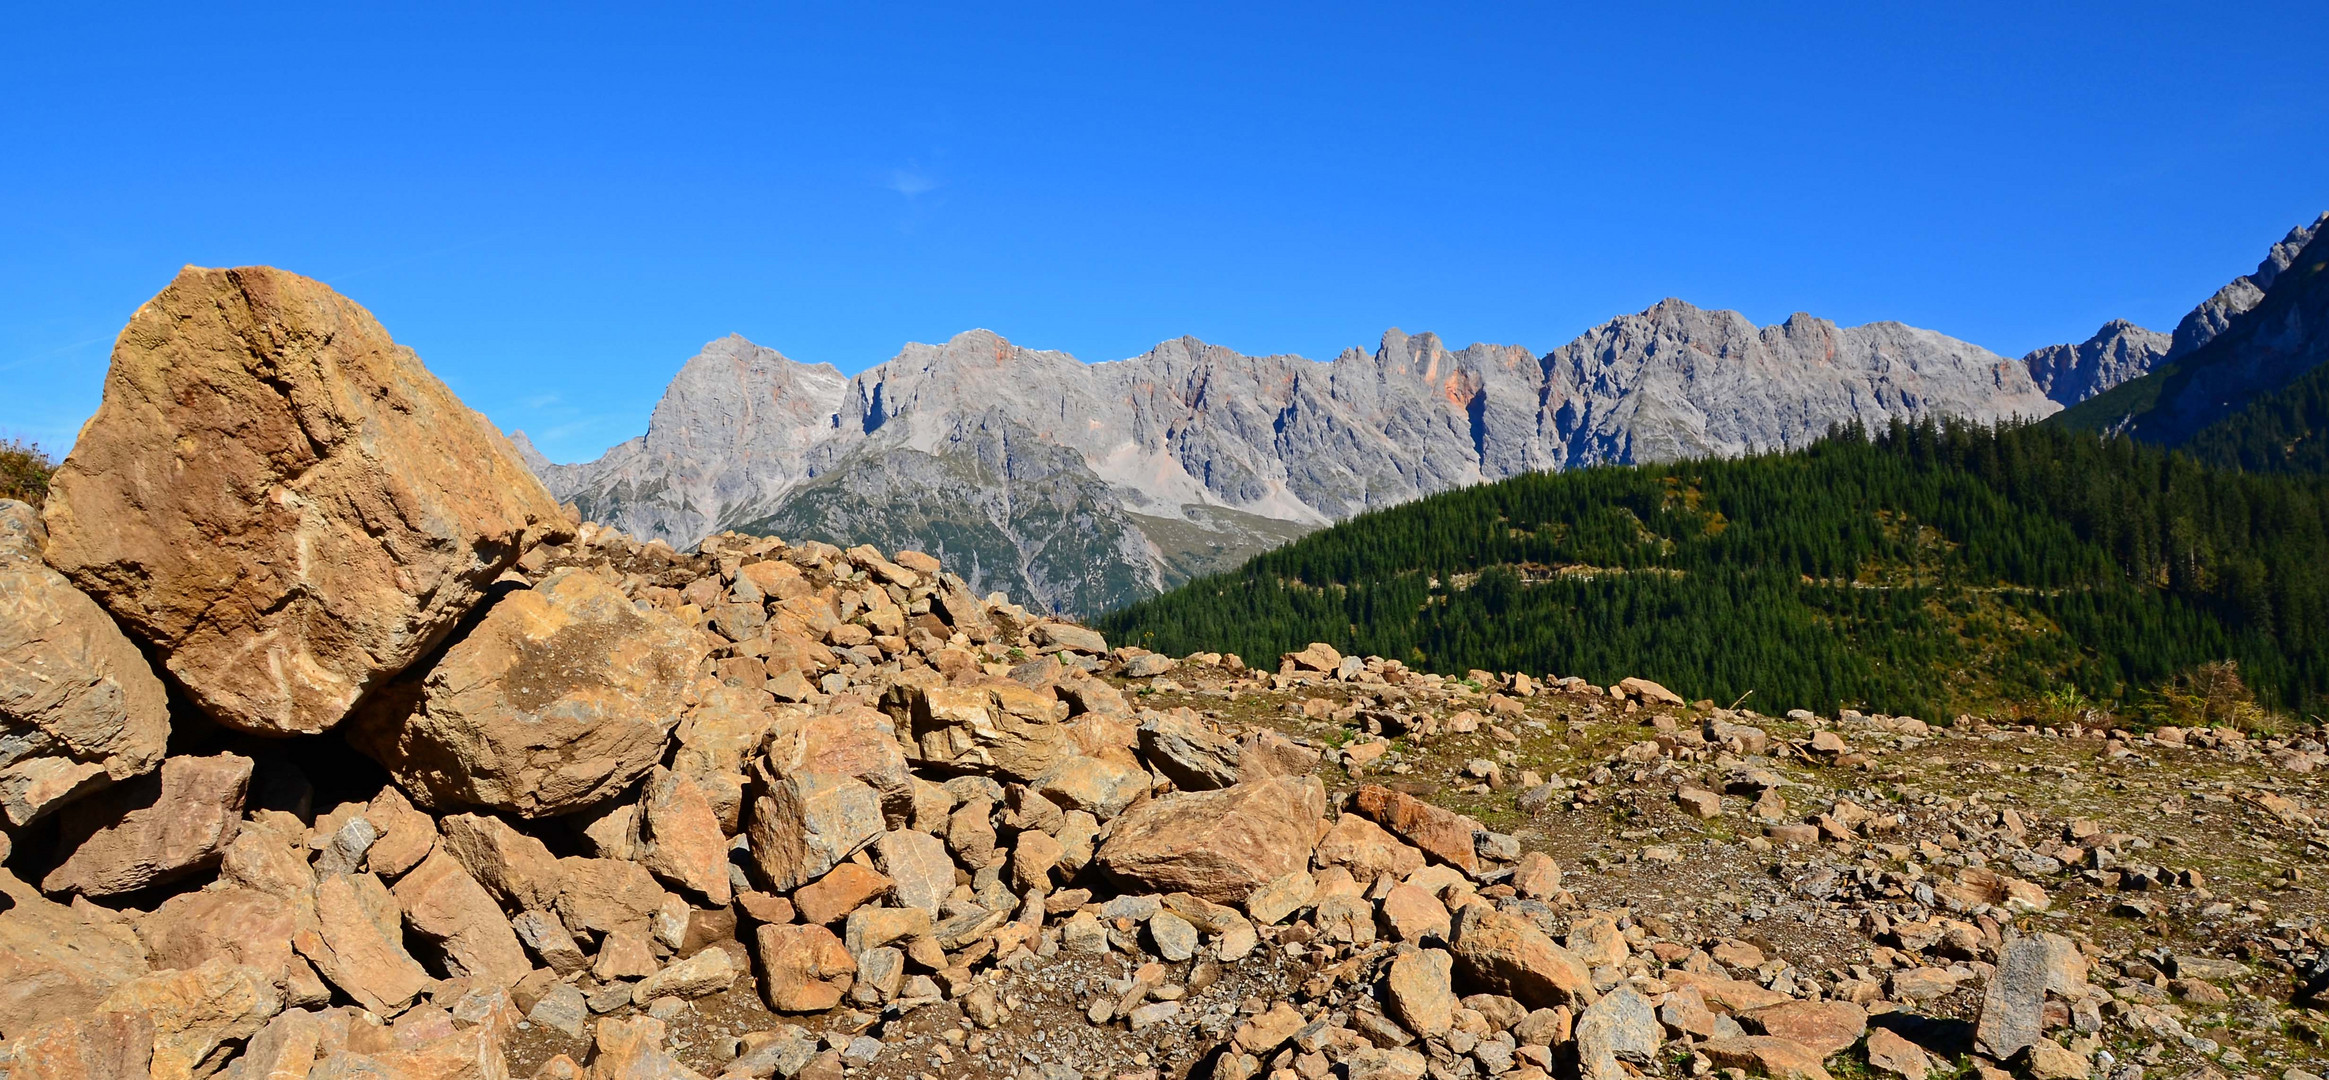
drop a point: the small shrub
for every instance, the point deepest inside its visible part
(24, 471)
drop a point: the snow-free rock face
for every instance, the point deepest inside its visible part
(282, 500)
(79, 705)
(1081, 487)
(2116, 353)
(2242, 293)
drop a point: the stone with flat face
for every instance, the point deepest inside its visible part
(1218, 845)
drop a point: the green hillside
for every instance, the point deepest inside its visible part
(2284, 431)
(1927, 570)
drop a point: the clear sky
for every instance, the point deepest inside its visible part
(557, 205)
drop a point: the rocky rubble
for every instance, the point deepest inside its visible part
(772, 809)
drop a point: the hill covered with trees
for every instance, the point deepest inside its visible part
(1926, 569)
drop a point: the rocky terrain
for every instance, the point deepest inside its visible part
(325, 760)
(1080, 487)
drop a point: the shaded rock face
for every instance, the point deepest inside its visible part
(561, 696)
(1081, 487)
(79, 705)
(2215, 314)
(282, 500)
(153, 831)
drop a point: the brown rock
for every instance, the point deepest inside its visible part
(1537, 876)
(1270, 1030)
(1001, 729)
(685, 844)
(406, 835)
(358, 943)
(803, 968)
(1731, 995)
(516, 868)
(606, 895)
(1442, 834)
(1218, 845)
(1763, 1055)
(1649, 691)
(852, 741)
(1506, 954)
(287, 1047)
(1419, 993)
(1367, 850)
(103, 1046)
(284, 501)
(1893, 1055)
(558, 699)
(1103, 784)
(445, 905)
(156, 830)
(194, 1011)
(1699, 801)
(920, 873)
(243, 925)
(2045, 1059)
(1413, 914)
(58, 962)
(1032, 859)
(803, 825)
(79, 707)
(1827, 1027)
(844, 889)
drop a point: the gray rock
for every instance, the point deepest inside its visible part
(1175, 939)
(2215, 314)
(1622, 1025)
(1081, 487)
(563, 1007)
(2014, 1005)
(2116, 353)
(1192, 756)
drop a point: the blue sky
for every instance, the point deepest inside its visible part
(557, 205)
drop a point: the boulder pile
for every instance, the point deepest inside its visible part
(331, 748)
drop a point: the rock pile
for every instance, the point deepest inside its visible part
(561, 804)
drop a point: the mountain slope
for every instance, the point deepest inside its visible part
(2116, 353)
(2284, 336)
(1928, 570)
(1082, 487)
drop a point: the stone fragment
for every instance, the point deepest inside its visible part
(921, 875)
(547, 936)
(633, 1049)
(851, 741)
(844, 889)
(1415, 915)
(1218, 845)
(103, 1046)
(243, 925)
(1001, 729)
(1649, 691)
(606, 895)
(1175, 937)
(517, 869)
(1344, 918)
(803, 968)
(562, 696)
(1827, 1027)
(154, 831)
(79, 705)
(1619, 1027)
(707, 972)
(1263, 1034)
(2046, 1059)
(283, 500)
(804, 824)
(58, 962)
(1367, 850)
(2014, 1005)
(1420, 994)
(358, 943)
(1191, 755)
(1504, 954)
(406, 835)
(195, 1010)
(443, 904)
(1596, 941)
(1442, 834)
(685, 844)
(1103, 785)
(1537, 876)
(1892, 1055)
(1032, 860)
(563, 1007)
(1763, 1055)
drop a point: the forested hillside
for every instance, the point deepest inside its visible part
(1926, 569)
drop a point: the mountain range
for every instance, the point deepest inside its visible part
(1081, 487)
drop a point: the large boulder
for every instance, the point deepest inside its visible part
(1502, 953)
(58, 962)
(283, 500)
(1218, 845)
(443, 904)
(155, 830)
(558, 699)
(79, 707)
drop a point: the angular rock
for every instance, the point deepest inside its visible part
(1102, 785)
(804, 824)
(852, 741)
(283, 500)
(517, 869)
(1442, 834)
(920, 873)
(58, 962)
(1218, 845)
(103, 1046)
(707, 972)
(448, 907)
(1892, 1055)
(606, 895)
(1620, 1026)
(545, 934)
(1505, 954)
(358, 943)
(1827, 1027)
(844, 889)
(685, 844)
(1001, 729)
(195, 1010)
(2014, 1005)
(243, 925)
(1419, 993)
(79, 705)
(406, 835)
(560, 697)
(1188, 753)
(154, 831)
(1763, 1055)
(1414, 915)
(1367, 850)
(803, 968)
